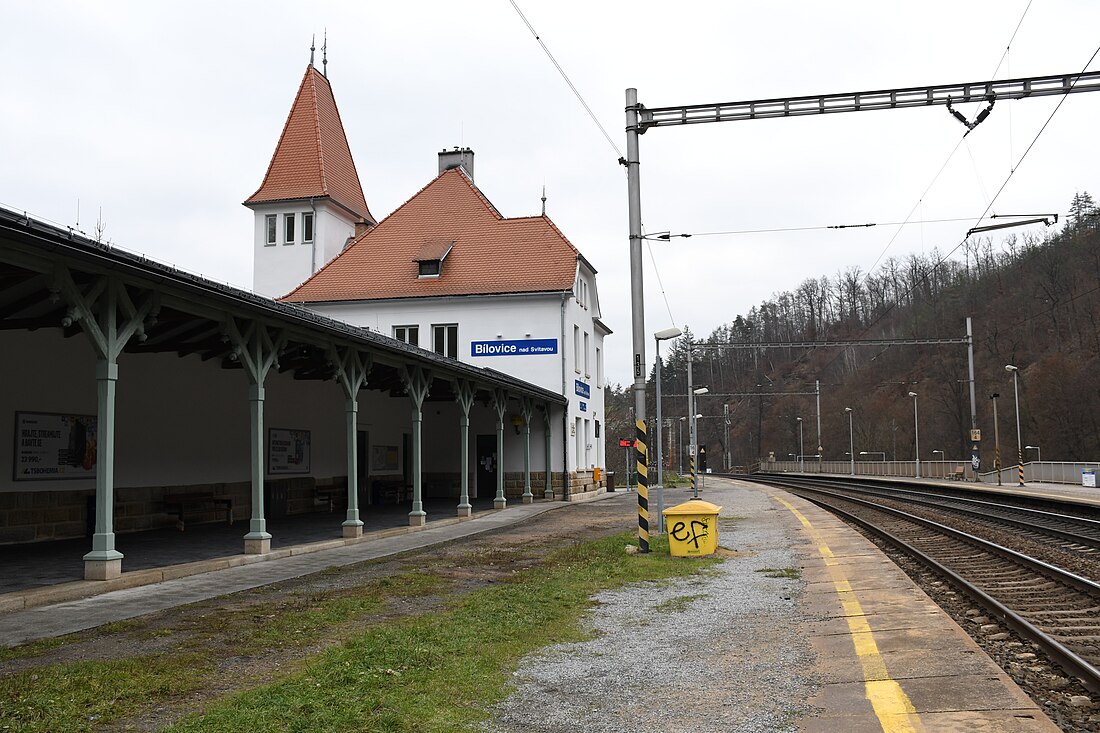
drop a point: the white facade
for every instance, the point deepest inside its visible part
(284, 262)
(513, 332)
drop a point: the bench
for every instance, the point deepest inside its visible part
(391, 492)
(959, 473)
(332, 494)
(181, 504)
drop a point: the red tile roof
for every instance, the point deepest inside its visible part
(490, 255)
(312, 159)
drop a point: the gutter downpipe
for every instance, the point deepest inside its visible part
(564, 411)
(313, 242)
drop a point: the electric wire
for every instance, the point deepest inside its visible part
(923, 277)
(657, 273)
(576, 93)
(820, 227)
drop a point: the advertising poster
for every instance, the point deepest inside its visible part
(287, 451)
(383, 459)
(49, 446)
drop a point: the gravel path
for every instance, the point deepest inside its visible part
(715, 652)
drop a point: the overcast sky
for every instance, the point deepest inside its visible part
(164, 115)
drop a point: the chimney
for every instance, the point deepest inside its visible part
(458, 158)
(362, 227)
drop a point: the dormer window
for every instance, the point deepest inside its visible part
(429, 261)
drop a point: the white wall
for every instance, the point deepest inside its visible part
(281, 267)
(511, 318)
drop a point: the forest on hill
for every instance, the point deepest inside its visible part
(1034, 301)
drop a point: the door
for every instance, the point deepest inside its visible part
(486, 456)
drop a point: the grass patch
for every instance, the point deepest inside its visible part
(678, 604)
(85, 695)
(32, 649)
(789, 573)
(439, 672)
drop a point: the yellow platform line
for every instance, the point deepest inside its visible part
(892, 706)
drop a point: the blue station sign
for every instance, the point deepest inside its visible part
(584, 407)
(582, 389)
(520, 347)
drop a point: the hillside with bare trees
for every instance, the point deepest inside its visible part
(1034, 302)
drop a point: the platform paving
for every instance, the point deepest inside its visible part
(888, 658)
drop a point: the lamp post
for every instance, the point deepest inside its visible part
(851, 442)
(668, 333)
(801, 452)
(916, 433)
(996, 439)
(1019, 443)
(942, 461)
(1036, 449)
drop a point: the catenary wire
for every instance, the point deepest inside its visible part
(576, 93)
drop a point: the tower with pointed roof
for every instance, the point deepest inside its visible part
(310, 203)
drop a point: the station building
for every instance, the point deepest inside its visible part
(444, 351)
(446, 271)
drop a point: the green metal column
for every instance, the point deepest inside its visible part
(418, 382)
(500, 404)
(258, 351)
(464, 395)
(548, 489)
(257, 541)
(351, 372)
(109, 318)
(527, 408)
(353, 525)
(104, 561)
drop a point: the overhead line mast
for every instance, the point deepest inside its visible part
(639, 119)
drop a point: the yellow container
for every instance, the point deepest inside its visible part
(692, 528)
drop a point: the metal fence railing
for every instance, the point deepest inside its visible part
(1054, 472)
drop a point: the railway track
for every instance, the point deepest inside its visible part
(1049, 605)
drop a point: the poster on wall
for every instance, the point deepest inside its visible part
(383, 459)
(52, 446)
(287, 451)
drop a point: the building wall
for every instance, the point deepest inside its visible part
(513, 319)
(281, 267)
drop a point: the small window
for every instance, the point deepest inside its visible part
(408, 334)
(445, 339)
(599, 368)
(577, 349)
(307, 226)
(288, 228)
(584, 294)
(587, 368)
(270, 225)
(429, 268)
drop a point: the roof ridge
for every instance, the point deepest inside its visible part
(317, 128)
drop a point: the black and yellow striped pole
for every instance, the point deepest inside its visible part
(691, 472)
(643, 485)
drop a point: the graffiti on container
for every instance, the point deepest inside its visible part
(692, 531)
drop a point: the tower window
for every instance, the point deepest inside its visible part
(288, 228)
(269, 224)
(307, 226)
